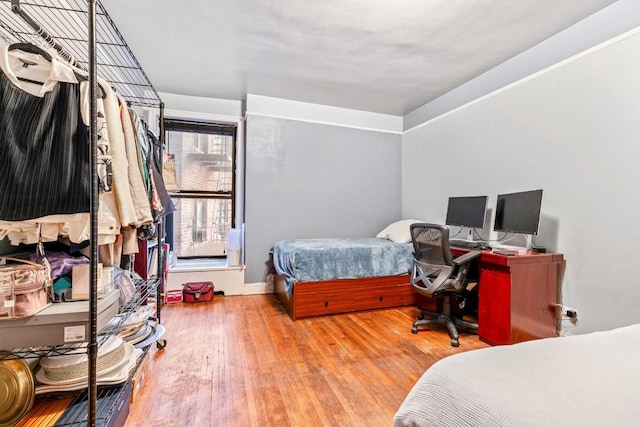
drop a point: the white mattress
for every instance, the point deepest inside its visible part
(583, 380)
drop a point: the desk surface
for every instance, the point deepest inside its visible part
(490, 257)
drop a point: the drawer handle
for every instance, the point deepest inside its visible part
(326, 304)
(380, 298)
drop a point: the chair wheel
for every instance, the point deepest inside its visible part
(420, 316)
(455, 343)
(414, 330)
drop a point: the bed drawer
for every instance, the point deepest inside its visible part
(329, 302)
(351, 284)
(317, 303)
(345, 295)
(393, 296)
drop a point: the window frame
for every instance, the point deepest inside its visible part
(210, 128)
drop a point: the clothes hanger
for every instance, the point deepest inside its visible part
(30, 48)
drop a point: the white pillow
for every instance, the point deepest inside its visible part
(398, 231)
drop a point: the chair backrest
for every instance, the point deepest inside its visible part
(433, 261)
(431, 243)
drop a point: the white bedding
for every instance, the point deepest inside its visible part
(583, 380)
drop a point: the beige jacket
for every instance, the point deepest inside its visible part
(119, 162)
(136, 184)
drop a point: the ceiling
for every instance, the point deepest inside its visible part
(388, 56)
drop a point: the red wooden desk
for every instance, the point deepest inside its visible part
(516, 296)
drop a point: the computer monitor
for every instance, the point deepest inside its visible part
(518, 212)
(466, 211)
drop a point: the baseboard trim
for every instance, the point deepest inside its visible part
(231, 281)
(258, 288)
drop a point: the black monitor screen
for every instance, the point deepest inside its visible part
(518, 212)
(466, 211)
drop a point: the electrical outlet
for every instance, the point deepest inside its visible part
(569, 312)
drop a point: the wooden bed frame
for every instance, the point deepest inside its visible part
(345, 295)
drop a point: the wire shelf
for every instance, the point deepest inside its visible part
(109, 401)
(146, 291)
(66, 22)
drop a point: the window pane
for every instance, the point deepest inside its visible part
(201, 226)
(203, 161)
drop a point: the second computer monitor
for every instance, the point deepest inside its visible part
(518, 212)
(466, 211)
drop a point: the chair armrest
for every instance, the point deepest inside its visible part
(424, 278)
(469, 256)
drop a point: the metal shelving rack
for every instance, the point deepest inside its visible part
(64, 26)
(84, 35)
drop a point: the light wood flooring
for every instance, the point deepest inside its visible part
(242, 361)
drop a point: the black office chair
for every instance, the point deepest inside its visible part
(436, 274)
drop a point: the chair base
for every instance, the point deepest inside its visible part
(450, 322)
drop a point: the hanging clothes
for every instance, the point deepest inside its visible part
(163, 196)
(144, 152)
(44, 145)
(120, 164)
(144, 149)
(75, 226)
(103, 146)
(136, 183)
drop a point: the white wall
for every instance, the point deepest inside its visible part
(616, 19)
(573, 130)
(316, 171)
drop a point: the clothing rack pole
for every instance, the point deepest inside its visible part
(48, 38)
(93, 277)
(161, 253)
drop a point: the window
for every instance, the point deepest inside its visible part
(205, 171)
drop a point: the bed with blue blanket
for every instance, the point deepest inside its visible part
(326, 275)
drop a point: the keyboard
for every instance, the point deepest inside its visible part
(508, 250)
(467, 244)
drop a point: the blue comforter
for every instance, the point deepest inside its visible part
(311, 260)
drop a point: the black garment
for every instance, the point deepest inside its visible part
(154, 168)
(44, 152)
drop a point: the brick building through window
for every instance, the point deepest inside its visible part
(205, 171)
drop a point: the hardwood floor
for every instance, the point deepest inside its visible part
(242, 361)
